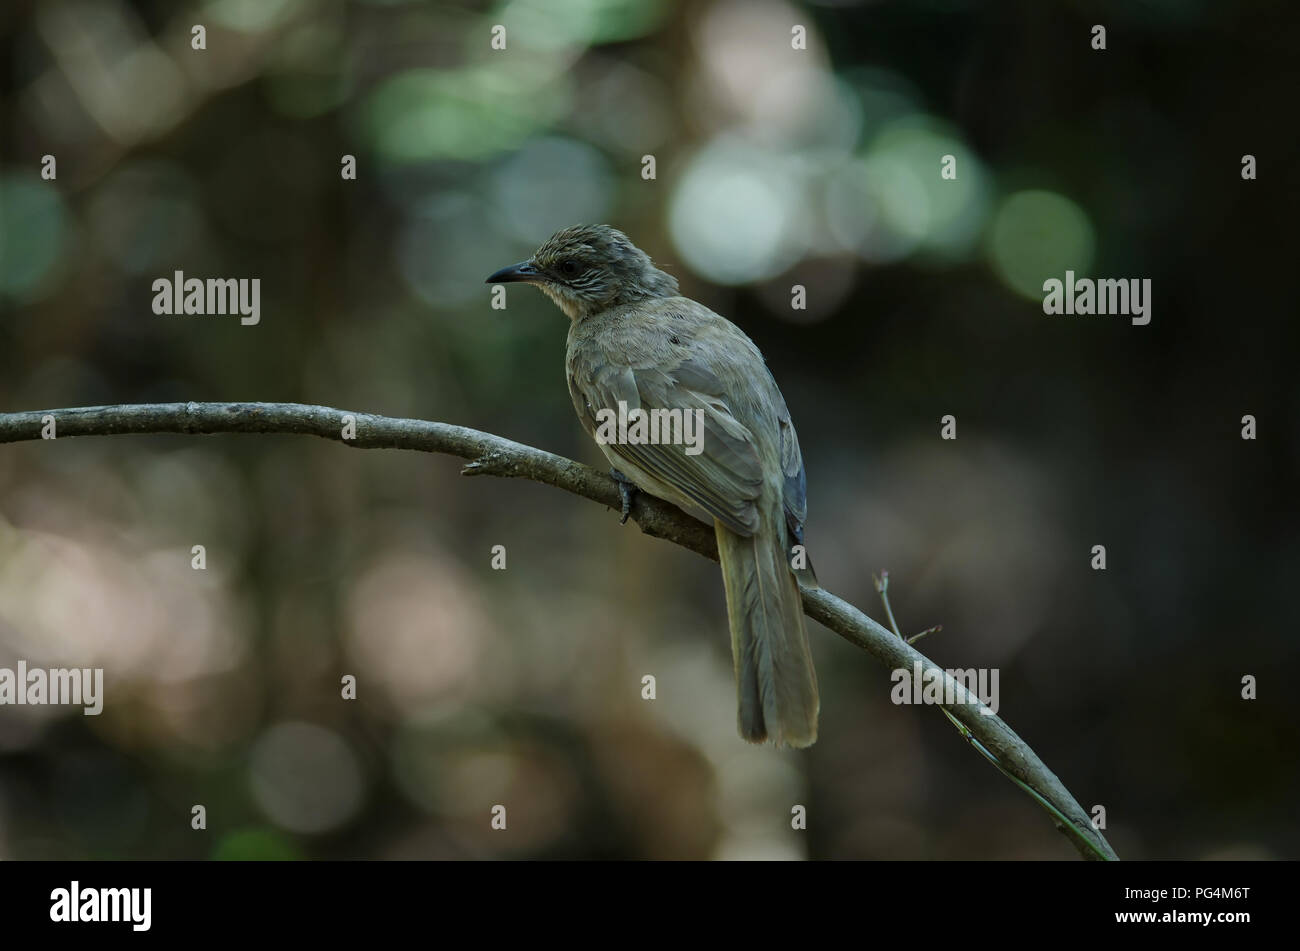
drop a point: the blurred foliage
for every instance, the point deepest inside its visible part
(775, 167)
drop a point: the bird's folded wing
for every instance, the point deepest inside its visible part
(795, 494)
(725, 477)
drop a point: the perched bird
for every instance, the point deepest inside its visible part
(634, 340)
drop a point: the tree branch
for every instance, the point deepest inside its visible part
(492, 455)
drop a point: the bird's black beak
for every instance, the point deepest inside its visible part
(516, 273)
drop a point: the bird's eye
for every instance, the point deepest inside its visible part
(569, 267)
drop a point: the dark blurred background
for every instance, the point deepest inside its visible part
(775, 167)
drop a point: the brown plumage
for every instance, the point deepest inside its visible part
(632, 339)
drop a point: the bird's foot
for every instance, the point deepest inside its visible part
(626, 491)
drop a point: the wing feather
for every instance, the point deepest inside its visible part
(724, 479)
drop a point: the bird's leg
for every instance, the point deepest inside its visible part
(627, 492)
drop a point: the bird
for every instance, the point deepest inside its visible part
(635, 343)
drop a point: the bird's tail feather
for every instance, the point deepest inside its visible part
(775, 680)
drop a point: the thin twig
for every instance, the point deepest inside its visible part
(882, 585)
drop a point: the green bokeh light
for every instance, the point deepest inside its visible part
(735, 213)
(260, 844)
(33, 231)
(251, 16)
(542, 24)
(464, 114)
(310, 73)
(1038, 235)
(954, 209)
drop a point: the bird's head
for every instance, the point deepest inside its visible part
(589, 268)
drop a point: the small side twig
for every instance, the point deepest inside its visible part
(1081, 841)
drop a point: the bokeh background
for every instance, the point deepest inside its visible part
(775, 167)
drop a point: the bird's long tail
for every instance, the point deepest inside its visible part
(775, 680)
